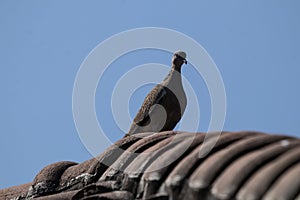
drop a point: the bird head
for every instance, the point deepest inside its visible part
(179, 57)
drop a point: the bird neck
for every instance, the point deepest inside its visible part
(174, 77)
(176, 67)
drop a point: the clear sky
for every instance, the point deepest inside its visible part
(255, 45)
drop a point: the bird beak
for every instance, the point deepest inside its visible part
(185, 62)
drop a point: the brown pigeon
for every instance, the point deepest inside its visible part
(164, 106)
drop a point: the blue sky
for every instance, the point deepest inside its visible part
(255, 45)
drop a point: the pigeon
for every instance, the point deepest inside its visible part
(164, 106)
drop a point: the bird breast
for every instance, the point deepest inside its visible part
(174, 84)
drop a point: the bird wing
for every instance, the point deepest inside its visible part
(157, 95)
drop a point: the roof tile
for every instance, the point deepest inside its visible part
(177, 165)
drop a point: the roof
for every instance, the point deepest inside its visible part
(176, 165)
